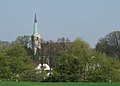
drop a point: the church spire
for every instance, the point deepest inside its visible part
(35, 18)
(35, 24)
(36, 38)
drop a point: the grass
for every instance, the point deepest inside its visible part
(56, 84)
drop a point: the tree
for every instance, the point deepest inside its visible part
(101, 68)
(110, 44)
(24, 40)
(72, 62)
(14, 61)
(80, 63)
(50, 50)
(5, 72)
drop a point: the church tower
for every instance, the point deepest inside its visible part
(36, 40)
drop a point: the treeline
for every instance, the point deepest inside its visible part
(70, 61)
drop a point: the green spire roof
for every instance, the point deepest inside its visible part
(35, 18)
(35, 25)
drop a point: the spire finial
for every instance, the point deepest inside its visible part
(35, 10)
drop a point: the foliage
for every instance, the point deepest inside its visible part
(110, 44)
(80, 63)
(16, 65)
(24, 40)
(70, 61)
(101, 68)
(51, 49)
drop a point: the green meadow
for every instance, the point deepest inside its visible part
(56, 84)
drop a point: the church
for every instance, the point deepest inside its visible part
(45, 53)
(36, 47)
(36, 42)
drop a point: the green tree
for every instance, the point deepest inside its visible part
(5, 72)
(80, 63)
(16, 50)
(101, 68)
(72, 62)
(110, 44)
(14, 61)
(24, 40)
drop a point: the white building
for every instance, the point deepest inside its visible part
(46, 67)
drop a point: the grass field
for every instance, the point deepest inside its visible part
(56, 84)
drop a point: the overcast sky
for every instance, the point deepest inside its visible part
(88, 19)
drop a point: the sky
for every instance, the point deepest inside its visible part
(87, 19)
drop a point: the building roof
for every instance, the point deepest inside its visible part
(35, 20)
(45, 66)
